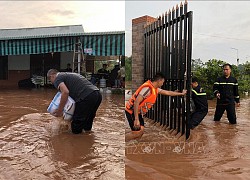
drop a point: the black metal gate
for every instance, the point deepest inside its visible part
(168, 49)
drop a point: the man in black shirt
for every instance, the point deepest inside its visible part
(103, 70)
(200, 101)
(68, 69)
(84, 93)
(226, 91)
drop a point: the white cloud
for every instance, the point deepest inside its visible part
(93, 15)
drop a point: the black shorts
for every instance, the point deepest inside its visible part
(131, 119)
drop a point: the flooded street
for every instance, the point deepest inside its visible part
(215, 150)
(36, 145)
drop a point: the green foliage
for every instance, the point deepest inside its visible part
(208, 72)
(244, 77)
(99, 64)
(128, 68)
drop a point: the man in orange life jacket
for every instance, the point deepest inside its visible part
(142, 100)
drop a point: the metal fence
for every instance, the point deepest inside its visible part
(168, 49)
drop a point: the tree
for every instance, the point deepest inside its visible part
(208, 73)
(244, 78)
(128, 68)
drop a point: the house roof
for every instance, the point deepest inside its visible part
(41, 32)
(104, 33)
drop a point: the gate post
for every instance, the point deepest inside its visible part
(138, 30)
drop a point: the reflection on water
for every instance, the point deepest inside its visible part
(215, 150)
(36, 145)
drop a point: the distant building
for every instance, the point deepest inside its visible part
(32, 51)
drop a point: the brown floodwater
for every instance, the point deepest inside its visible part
(36, 145)
(215, 150)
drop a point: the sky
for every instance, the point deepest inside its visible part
(218, 26)
(95, 16)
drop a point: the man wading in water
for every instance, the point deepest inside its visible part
(84, 93)
(226, 92)
(142, 100)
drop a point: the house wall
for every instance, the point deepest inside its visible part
(21, 62)
(66, 57)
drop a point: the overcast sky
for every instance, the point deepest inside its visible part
(217, 27)
(95, 16)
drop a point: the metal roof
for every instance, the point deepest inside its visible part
(104, 33)
(41, 32)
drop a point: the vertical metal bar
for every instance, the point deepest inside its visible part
(168, 65)
(172, 71)
(154, 48)
(163, 99)
(190, 21)
(151, 55)
(145, 54)
(175, 70)
(151, 60)
(180, 100)
(156, 67)
(148, 52)
(185, 68)
(164, 58)
(160, 66)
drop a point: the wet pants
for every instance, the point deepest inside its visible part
(196, 118)
(131, 119)
(85, 112)
(230, 108)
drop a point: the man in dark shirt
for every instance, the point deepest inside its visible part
(226, 91)
(68, 69)
(103, 70)
(84, 93)
(199, 98)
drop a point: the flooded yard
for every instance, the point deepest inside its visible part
(215, 150)
(36, 145)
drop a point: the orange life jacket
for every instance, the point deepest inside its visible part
(147, 103)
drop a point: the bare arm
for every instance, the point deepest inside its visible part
(64, 97)
(172, 93)
(138, 100)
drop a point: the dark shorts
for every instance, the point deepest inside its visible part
(131, 119)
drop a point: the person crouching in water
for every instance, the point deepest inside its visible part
(199, 98)
(142, 100)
